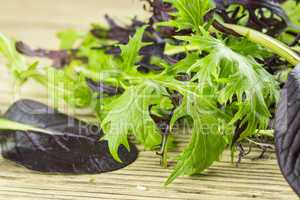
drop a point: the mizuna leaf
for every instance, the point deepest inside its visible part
(69, 37)
(15, 61)
(235, 76)
(204, 148)
(129, 114)
(62, 84)
(207, 142)
(130, 51)
(293, 11)
(189, 14)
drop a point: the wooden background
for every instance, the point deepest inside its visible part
(36, 22)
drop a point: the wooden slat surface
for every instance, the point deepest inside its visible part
(36, 22)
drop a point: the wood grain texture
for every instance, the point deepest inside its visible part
(36, 22)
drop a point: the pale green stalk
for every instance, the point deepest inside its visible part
(6, 124)
(266, 41)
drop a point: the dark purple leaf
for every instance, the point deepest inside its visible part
(60, 58)
(287, 130)
(160, 10)
(274, 23)
(146, 66)
(78, 151)
(274, 64)
(104, 89)
(117, 32)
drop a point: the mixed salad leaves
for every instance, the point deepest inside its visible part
(218, 64)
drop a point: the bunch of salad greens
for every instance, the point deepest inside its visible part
(217, 63)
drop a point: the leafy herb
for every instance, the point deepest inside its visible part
(189, 14)
(15, 61)
(207, 141)
(130, 113)
(141, 79)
